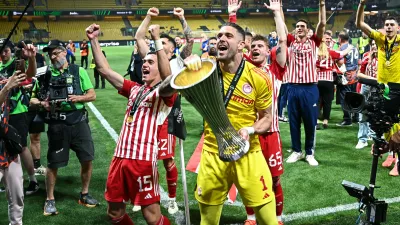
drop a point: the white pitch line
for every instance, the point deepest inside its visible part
(330, 210)
(179, 216)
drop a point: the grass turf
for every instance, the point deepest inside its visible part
(305, 188)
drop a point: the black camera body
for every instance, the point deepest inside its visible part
(382, 109)
(58, 88)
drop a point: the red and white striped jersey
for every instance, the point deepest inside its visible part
(138, 136)
(369, 68)
(275, 72)
(302, 59)
(325, 66)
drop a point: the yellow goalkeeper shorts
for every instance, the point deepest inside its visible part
(250, 174)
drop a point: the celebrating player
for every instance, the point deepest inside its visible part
(133, 171)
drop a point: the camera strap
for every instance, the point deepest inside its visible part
(233, 84)
(140, 97)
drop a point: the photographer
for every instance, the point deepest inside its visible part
(62, 92)
(369, 70)
(19, 101)
(388, 60)
(10, 165)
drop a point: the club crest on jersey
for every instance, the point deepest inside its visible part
(247, 88)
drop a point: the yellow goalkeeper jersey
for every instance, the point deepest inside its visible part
(253, 92)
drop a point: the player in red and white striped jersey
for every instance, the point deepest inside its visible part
(270, 142)
(176, 64)
(302, 87)
(325, 64)
(133, 174)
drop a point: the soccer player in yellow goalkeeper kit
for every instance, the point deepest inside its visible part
(388, 46)
(252, 95)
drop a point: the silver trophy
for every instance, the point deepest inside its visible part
(202, 89)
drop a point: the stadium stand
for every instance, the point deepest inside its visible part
(174, 3)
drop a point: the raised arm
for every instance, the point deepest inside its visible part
(275, 7)
(322, 20)
(102, 65)
(233, 8)
(283, 18)
(140, 36)
(187, 49)
(29, 51)
(163, 62)
(360, 19)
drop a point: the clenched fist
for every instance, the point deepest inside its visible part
(154, 31)
(153, 12)
(93, 31)
(179, 12)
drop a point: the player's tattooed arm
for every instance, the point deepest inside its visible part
(187, 49)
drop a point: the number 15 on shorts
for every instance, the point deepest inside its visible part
(145, 183)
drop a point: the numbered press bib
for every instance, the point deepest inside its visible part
(69, 118)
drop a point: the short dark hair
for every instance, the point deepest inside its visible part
(248, 34)
(170, 39)
(212, 38)
(237, 27)
(344, 35)
(304, 21)
(391, 18)
(261, 38)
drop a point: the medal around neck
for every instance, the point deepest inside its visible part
(201, 88)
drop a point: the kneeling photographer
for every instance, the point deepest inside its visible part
(10, 146)
(61, 93)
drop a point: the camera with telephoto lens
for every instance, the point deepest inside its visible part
(58, 88)
(382, 109)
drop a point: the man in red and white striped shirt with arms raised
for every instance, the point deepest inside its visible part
(302, 89)
(133, 174)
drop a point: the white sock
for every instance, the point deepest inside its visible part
(172, 199)
(279, 218)
(32, 178)
(251, 217)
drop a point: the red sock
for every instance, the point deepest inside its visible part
(163, 221)
(124, 220)
(249, 211)
(278, 198)
(172, 178)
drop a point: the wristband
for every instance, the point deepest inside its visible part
(158, 44)
(250, 130)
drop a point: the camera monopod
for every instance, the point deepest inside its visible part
(15, 26)
(382, 110)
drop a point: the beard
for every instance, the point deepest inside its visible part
(59, 64)
(213, 52)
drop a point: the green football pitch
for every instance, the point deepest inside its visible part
(310, 192)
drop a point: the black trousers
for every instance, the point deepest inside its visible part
(326, 93)
(73, 59)
(84, 58)
(343, 89)
(96, 79)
